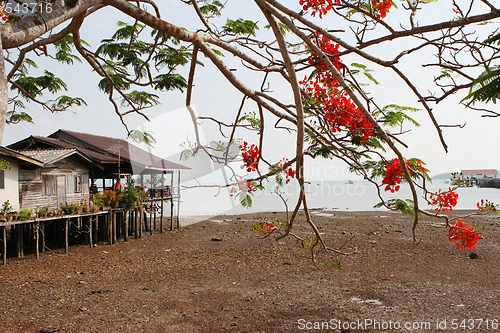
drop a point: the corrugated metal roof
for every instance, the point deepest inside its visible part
(480, 172)
(49, 156)
(121, 148)
(15, 154)
(90, 153)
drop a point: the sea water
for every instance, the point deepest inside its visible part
(356, 195)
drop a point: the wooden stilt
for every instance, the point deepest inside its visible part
(90, 232)
(113, 226)
(37, 240)
(171, 214)
(125, 226)
(161, 216)
(66, 236)
(4, 237)
(19, 241)
(140, 222)
(96, 228)
(136, 223)
(110, 229)
(154, 219)
(150, 219)
(42, 229)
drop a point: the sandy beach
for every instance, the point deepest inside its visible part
(216, 276)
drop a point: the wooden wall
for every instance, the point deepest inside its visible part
(31, 184)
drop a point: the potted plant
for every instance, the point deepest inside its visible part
(98, 200)
(131, 195)
(65, 209)
(42, 211)
(109, 196)
(85, 207)
(24, 214)
(6, 209)
(74, 208)
(116, 200)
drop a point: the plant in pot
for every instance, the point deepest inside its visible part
(24, 214)
(98, 201)
(6, 209)
(42, 211)
(74, 208)
(65, 208)
(116, 201)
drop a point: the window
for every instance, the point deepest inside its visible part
(78, 184)
(49, 184)
(2, 179)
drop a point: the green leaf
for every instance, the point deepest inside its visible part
(142, 137)
(486, 88)
(170, 82)
(245, 199)
(240, 27)
(335, 264)
(141, 99)
(394, 115)
(404, 206)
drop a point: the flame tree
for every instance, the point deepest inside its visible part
(307, 45)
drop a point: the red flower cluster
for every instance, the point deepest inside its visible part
(338, 110)
(289, 172)
(263, 228)
(381, 7)
(394, 173)
(318, 6)
(444, 200)
(250, 156)
(463, 235)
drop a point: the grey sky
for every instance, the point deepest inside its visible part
(471, 147)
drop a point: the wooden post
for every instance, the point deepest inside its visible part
(37, 239)
(161, 216)
(136, 226)
(66, 235)
(125, 226)
(90, 232)
(154, 219)
(110, 228)
(150, 219)
(113, 226)
(140, 221)
(19, 241)
(171, 214)
(4, 236)
(42, 226)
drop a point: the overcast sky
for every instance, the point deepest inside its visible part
(474, 146)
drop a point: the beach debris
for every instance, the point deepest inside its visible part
(49, 329)
(358, 300)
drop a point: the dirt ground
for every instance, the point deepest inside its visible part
(217, 276)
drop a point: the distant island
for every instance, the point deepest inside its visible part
(445, 175)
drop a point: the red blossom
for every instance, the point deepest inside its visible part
(318, 6)
(394, 173)
(444, 201)
(463, 235)
(250, 156)
(337, 108)
(381, 7)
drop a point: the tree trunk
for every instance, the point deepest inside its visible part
(4, 96)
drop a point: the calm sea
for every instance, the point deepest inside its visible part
(333, 195)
